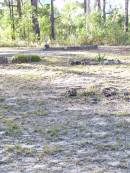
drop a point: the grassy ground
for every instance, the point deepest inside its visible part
(42, 130)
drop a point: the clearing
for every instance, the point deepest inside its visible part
(45, 130)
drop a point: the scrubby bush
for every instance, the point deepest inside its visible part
(100, 57)
(22, 58)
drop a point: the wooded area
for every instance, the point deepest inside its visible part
(79, 22)
(64, 86)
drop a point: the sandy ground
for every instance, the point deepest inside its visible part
(43, 130)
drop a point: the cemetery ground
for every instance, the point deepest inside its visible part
(68, 113)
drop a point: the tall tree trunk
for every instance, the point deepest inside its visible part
(19, 9)
(126, 15)
(11, 9)
(99, 5)
(35, 22)
(104, 10)
(52, 19)
(87, 6)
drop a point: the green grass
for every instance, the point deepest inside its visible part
(121, 114)
(6, 107)
(53, 132)
(100, 57)
(50, 150)
(18, 149)
(23, 58)
(40, 113)
(11, 127)
(89, 91)
(106, 147)
(2, 99)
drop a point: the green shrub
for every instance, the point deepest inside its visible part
(100, 57)
(22, 58)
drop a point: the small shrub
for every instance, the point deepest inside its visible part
(100, 57)
(22, 58)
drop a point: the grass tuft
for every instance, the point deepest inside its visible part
(23, 58)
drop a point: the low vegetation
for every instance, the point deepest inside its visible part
(100, 57)
(12, 128)
(19, 149)
(22, 58)
(98, 25)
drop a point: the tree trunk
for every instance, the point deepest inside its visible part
(19, 9)
(11, 9)
(104, 10)
(86, 6)
(35, 22)
(99, 5)
(126, 15)
(52, 19)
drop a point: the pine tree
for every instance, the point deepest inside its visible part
(126, 15)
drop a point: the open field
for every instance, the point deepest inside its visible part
(45, 130)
